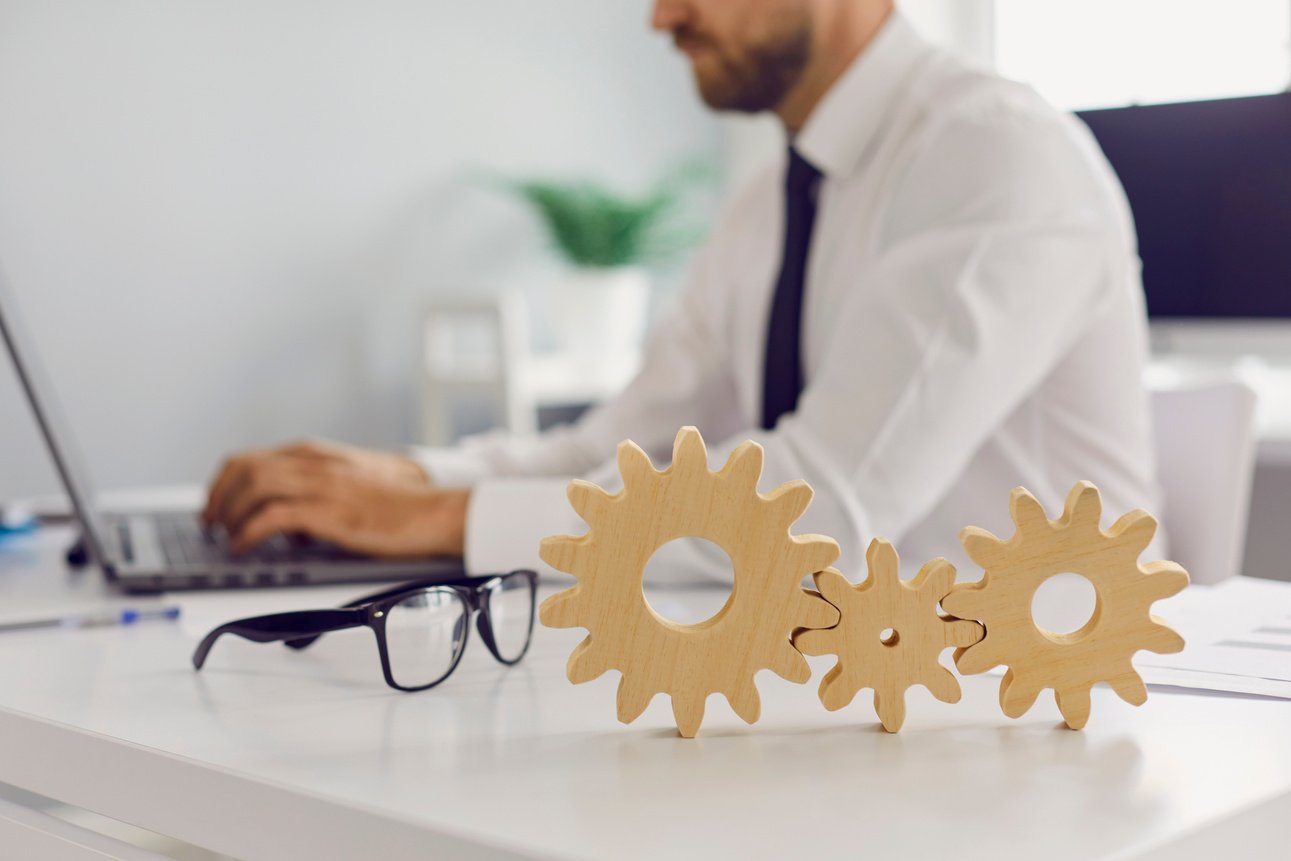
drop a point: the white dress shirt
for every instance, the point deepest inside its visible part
(973, 320)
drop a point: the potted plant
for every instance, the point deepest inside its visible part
(599, 308)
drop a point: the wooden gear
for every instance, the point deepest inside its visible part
(909, 655)
(1101, 650)
(751, 632)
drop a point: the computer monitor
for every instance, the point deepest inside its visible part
(1210, 186)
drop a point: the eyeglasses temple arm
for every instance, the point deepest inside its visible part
(299, 643)
(282, 626)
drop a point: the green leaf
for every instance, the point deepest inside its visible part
(592, 226)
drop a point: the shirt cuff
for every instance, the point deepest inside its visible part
(507, 519)
(452, 467)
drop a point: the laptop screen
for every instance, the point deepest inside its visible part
(50, 419)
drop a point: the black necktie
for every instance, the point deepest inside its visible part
(782, 382)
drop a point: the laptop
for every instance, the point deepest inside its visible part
(154, 551)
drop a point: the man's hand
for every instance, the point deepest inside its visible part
(369, 502)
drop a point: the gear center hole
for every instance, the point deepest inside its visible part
(1064, 605)
(668, 581)
(889, 637)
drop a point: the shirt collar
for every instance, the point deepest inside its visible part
(841, 126)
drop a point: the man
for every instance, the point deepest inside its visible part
(933, 299)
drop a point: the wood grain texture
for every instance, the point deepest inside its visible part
(890, 636)
(722, 654)
(1102, 650)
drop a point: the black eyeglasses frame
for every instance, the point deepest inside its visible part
(299, 629)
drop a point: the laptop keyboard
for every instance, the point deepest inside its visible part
(184, 540)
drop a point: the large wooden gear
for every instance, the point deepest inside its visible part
(751, 632)
(1121, 625)
(890, 636)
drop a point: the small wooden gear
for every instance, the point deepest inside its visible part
(722, 654)
(890, 636)
(1101, 650)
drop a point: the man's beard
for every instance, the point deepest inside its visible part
(756, 80)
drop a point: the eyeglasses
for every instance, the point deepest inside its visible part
(421, 628)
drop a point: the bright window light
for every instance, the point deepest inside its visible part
(1108, 53)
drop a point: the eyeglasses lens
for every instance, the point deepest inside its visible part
(425, 633)
(511, 614)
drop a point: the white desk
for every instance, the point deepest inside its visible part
(270, 754)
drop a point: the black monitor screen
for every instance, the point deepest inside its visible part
(1210, 186)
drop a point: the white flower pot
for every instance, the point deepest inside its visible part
(600, 313)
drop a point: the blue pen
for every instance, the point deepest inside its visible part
(105, 619)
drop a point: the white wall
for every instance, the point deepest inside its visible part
(965, 26)
(222, 218)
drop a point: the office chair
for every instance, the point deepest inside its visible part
(1205, 437)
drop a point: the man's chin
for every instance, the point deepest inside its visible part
(721, 96)
(716, 89)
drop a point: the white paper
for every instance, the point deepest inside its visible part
(1164, 677)
(1238, 637)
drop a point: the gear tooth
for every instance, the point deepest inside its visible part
(836, 689)
(1129, 687)
(560, 610)
(963, 632)
(1027, 512)
(586, 662)
(935, 579)
(883, 563)
(815, 611)
(632, 700)
(563, 552)
(1134, 531)
(634, 465)
(744, 467)
(833, 586)
(688, 452)
(588, 500)
(813, 553)
(1017, 695)
(815, 641)
(789, 501)
(1165, 579)
(966, 601)
(943, 685)
(1083, 508)
(983, 547)
(890, 706)
(789, 664)
(688, 712)
(977, 659)
(1073, 702)
(1160, 638)
(746, 702)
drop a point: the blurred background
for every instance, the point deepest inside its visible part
(230, 224)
